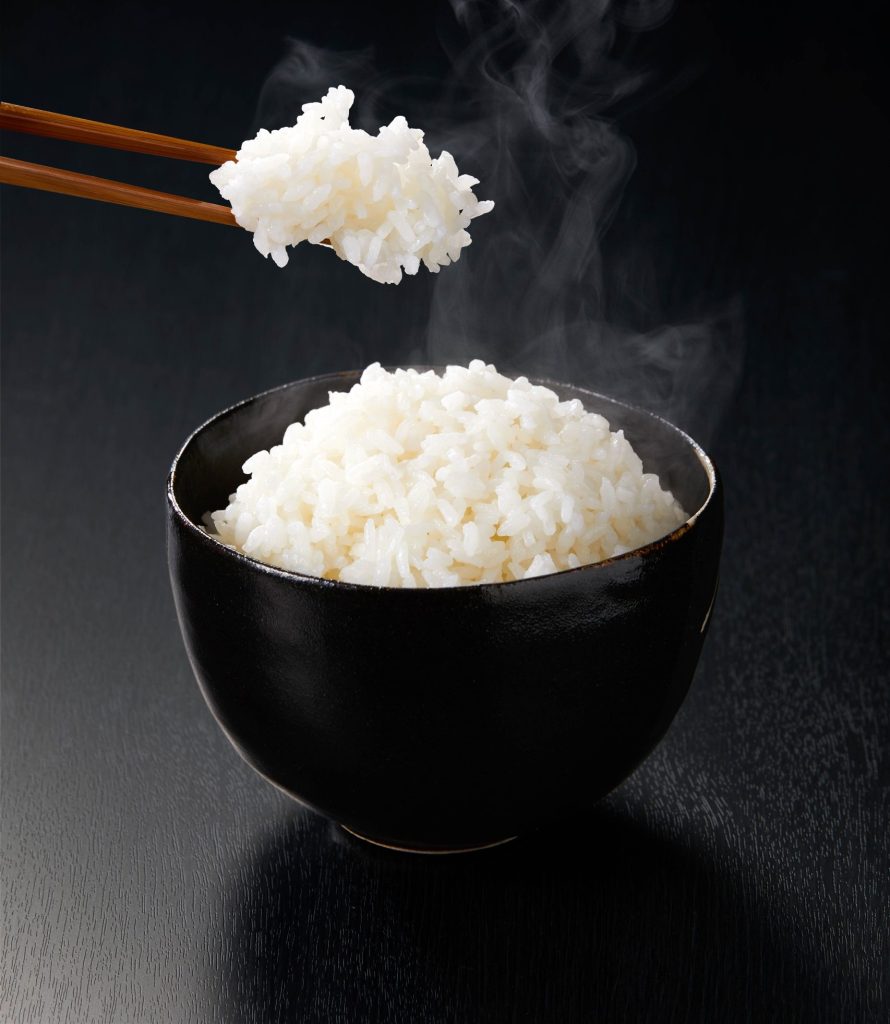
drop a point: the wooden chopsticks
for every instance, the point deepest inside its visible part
(85, 186)
(29, 121)
(77, 129)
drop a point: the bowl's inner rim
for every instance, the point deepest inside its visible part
(201, 532)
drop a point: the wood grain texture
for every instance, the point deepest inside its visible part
(23, 174)
(17, 118)
(149, 876)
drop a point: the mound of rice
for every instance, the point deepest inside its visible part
(415, 480)
(382, 202)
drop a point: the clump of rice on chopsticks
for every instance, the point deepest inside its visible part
(380, 201)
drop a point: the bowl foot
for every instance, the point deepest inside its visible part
(426, 849)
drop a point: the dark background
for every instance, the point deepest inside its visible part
(742, 872)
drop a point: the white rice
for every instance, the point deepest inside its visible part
(415, 480)
(380, 200)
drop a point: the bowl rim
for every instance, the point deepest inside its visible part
(289, 574)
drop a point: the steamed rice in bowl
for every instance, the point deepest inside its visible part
(412, 479)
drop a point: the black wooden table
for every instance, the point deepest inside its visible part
(148, 875)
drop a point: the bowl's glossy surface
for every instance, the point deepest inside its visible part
(441, 718)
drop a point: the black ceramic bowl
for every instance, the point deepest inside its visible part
(441, 719)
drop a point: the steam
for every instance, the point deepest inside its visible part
(529, 107)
